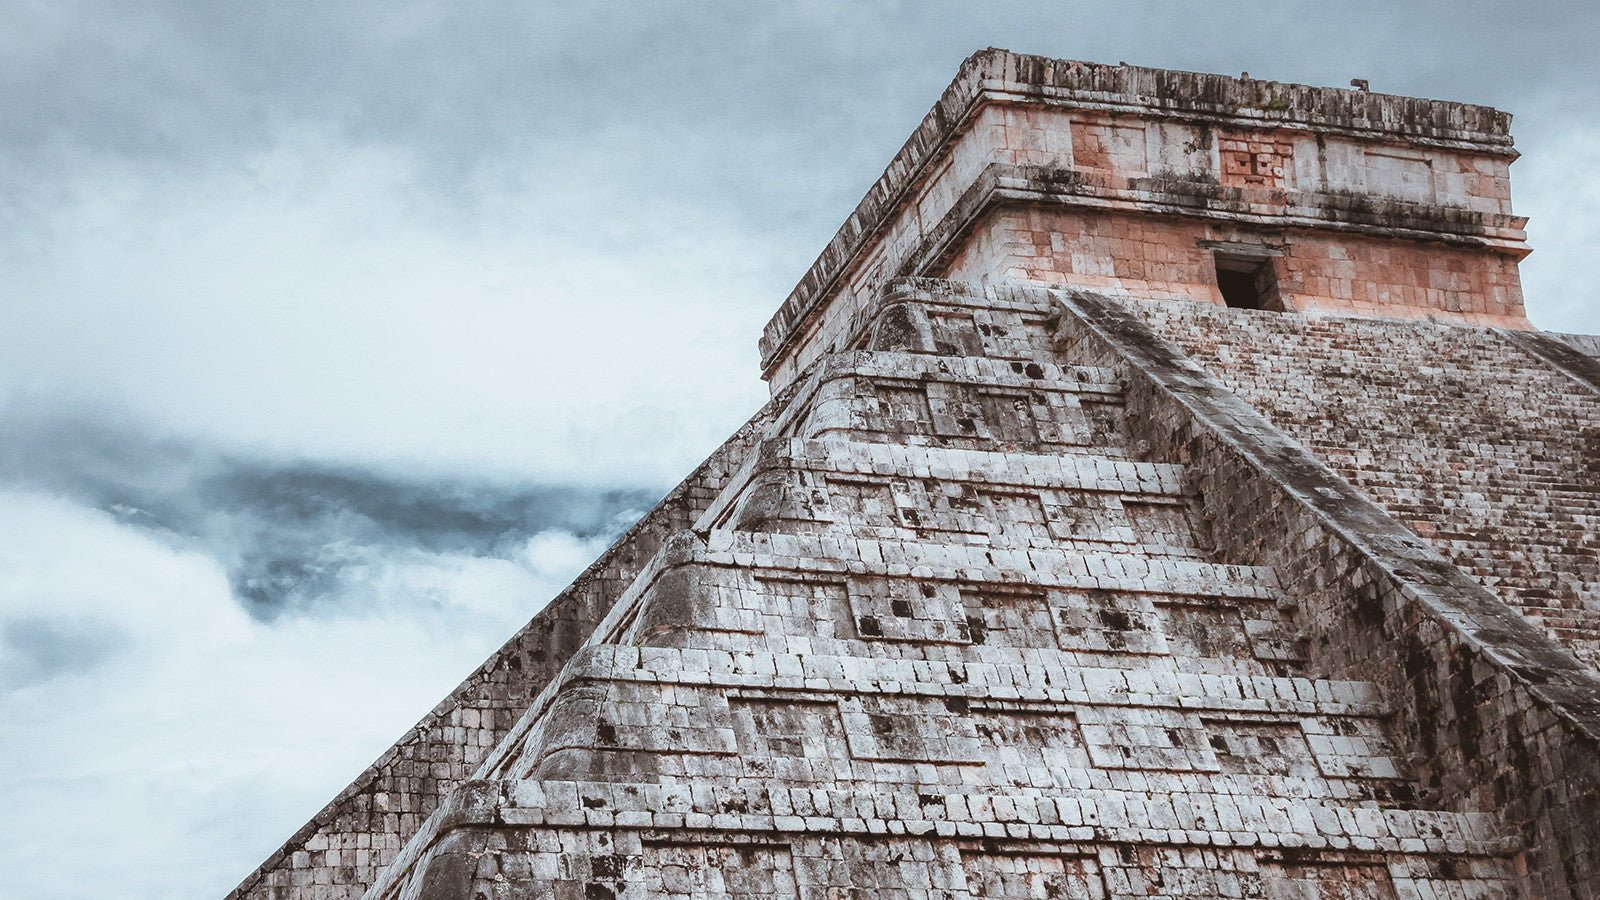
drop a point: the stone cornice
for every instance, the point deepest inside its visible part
(1352, 213)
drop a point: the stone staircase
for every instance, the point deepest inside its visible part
(947, 635)
(1486, 451)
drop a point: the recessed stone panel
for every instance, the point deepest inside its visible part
(1146, 738)
(1261, 747)
(783, 736)
(900, 609)
(997, 876)
(1107, 622)
(1161, 524)
(1085, 516)
(901, 409)
(1009, 616)
(1012, 416)
(955, 334)
(807, 606)
(1288, 881)
(1031, 747)
(909, 729)
(1205, 631)
(711, 872)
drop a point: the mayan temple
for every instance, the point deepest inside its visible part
(1163, 494)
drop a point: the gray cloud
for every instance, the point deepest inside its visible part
(186, 633)
(758, 107)
(301, 530)
(770, 120)
(35, 648)
(292, 535)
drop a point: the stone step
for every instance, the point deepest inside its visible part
(808, 556)
(971, 403)
(627, 711)
(892, 491)
(1104, 569)
(1204, 618)
(1005, 325)
(1085, 472)
(1040, 680)
(1098, 816)
(560, 838)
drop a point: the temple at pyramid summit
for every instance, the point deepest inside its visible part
(1163, 494)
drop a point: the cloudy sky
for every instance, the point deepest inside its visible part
(335, 338)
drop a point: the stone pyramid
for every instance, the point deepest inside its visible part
(1022, 587)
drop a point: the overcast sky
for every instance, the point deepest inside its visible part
(335, 338)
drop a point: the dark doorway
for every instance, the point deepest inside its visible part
(1248, 282)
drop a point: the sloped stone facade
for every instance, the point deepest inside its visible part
(949, 665)
(1046, 574)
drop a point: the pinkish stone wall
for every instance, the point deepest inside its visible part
(1160, 258)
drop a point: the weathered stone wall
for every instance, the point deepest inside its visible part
(1167, 257)
(1575, 355)
(1489, 453)
(338, 853)
(1503, 719)
(1266, 160)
